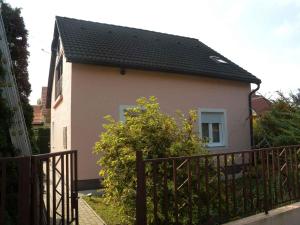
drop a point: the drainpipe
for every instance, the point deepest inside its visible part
(250, 112)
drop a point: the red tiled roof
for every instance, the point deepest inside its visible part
(37, 115)
(260, 104)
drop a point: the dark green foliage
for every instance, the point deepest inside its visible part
(42, 139)
(281, 125)
(17, 38)
(6, 148)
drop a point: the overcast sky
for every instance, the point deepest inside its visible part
(262, 36)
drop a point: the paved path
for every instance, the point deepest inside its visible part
(87, 216)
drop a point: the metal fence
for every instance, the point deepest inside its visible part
(39, 190)
(216, 188)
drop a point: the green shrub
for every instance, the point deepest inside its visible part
(42, 139)
(154, 133)
(280, 126)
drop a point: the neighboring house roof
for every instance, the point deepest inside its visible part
(37, 115)
(260, 104)
(109, 45)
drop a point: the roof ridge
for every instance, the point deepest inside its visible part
(127, 27)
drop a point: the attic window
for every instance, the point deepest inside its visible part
(218, 59)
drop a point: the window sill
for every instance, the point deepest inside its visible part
(216, 147)
(58, 101)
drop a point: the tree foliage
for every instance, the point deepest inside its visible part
(146, 129)
(17, 39)
(6, 148)
(281, 125)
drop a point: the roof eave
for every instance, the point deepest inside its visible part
(232, 77)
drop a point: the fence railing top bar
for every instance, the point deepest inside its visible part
(47, 155)
(40, 156)
(2, 159)
(219, 154)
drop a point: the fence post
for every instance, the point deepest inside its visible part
(141, 209)
(24, 192)
(35, 191)
(266, 200)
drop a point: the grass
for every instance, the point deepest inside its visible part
(110, 214)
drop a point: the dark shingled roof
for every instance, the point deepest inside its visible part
(103, 44)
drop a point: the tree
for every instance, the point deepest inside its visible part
(151, 131)
(17, 38)
(295, 97)
(281, 125)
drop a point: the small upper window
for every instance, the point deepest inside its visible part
(58, 84)
(58, 46)
(213, 128)
(218, 59)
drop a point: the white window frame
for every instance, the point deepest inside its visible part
(223, 128)
(121, 111)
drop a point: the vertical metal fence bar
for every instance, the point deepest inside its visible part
(226, 186)
(24, 192)
(256, 180)
(263, 158)
(287, 172)
(48, 190)
(292, 173)
(250, 157)
(297, 173)
(53, 191)
(35, 192)
(269, 181)
(154, 176)
(41, 188)
(219, 188)
(198, 187)
(190, 209)
(141, 208)
(76, 187)
(67, 189)
(72, 186)
(62, 164)
(3, 192)
(279, 174)
(244, 183)
(207, 188)
(165, 191)
(175, 192)
(233, 184)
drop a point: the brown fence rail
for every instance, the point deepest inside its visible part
(216, 188)
(39, 190)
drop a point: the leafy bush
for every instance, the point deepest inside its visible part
(154, 133)
(42, 139)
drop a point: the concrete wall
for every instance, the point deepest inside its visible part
(287, 215)
(98, 91)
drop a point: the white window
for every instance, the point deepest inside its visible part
(212, 125)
